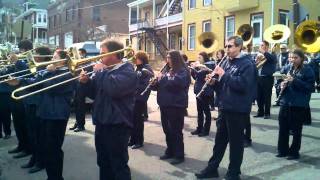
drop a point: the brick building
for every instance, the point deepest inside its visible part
(72, 21)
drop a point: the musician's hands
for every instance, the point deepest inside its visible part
(99, 67)
(289, 78)
(219, 71)
(283, 84)
(13, 82)
(51, 67)
(84, 78)
(209, 78)
(159, 76)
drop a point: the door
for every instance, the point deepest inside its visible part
(256, 23)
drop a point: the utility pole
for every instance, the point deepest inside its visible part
(296, 13)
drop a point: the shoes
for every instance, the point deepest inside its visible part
(73, 127)
(15, 150)
(203, 133)
(30, 164)
(215, 118)
(275, 105)
(247, 143)
(177, 161)
(195, 132)
(136, 146)
(7, 136)
(145, 118)
(207, 173)
(212, 109)
(281, 155)
(165, 156)
(266, 117)
(78, 129)
(35, 169)
(22, 154)
(258, 115)
(293, 157)
(232, 177)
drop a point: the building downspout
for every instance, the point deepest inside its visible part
(272, 13)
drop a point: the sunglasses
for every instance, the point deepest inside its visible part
(228, 46)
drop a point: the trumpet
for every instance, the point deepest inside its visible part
(73, 68)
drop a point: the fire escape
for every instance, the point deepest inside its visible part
(151, 32)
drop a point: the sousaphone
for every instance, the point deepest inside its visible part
(307, 36)
(245, 31)
(208, 42)
(277, 33)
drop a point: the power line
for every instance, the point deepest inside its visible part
(98, 5)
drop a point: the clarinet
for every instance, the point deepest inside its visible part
(214, 76)
(148, 88)
(285, 87)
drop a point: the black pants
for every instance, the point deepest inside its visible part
(138, 123)
(112, 151)
(230, 127)
(30, 120)
(20, 126)
(145, 110)
(212, 102)
(80, 107)
(278, 86)
(265, 84)
(54, 136)
(172, 119)
(5, 114)
(203, 108)
(247, 129)
(307, 119)
(290, 118)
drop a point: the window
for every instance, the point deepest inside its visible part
(96, 13)
(158, 9)
(39, 18)
(206, 26)
(172, 41)
(192, 4)
(229, 29)
(54, 21)
(284, 18)
(44, 18)
(191, 36)
(207, 2)
(50, 22)
(257, 25)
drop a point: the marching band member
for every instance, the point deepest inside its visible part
(296, 93)
(53, 110)
(172, 97)
(203, 104)
(145, 73)
(36, 163)
(113, 89)
(265, 81)
(80, 101)
(235, 95)
(18, 111)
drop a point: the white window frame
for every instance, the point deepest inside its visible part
(227, 31)
(204, 24)
(207, 2)
(257, 19)
(191, 37)
(287, 16)
(195, 4)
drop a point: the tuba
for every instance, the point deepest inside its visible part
(208, 41)
(246, 32)
(307, 36)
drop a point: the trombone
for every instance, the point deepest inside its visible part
(73, 68)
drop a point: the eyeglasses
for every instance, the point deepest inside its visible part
(228, 46)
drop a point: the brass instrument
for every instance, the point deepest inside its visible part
(73, 67)
(260, 60)
(307, 36)
(208, 42)
(246, 32)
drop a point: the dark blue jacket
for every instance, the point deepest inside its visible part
(144, 78)
(173, 89)
(269, 67)
(298, 92)
(199, 76)
(55, 103)
(114, 93)
(236, 88)
(19, 66)
(314, 64)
